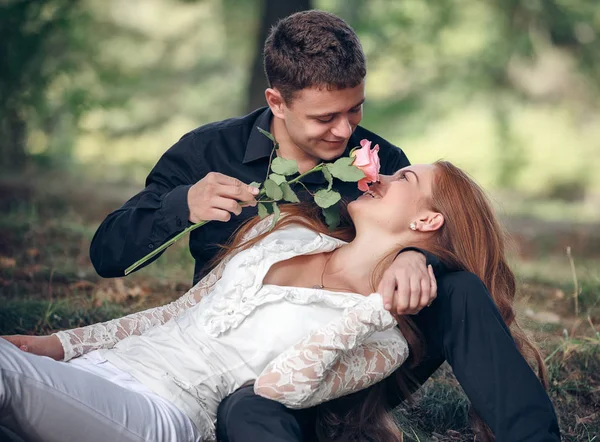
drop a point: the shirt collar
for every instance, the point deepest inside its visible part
(258, 145)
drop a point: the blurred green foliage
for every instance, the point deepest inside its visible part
(506, 88)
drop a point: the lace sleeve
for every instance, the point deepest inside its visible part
(79, 341)
(338, 359)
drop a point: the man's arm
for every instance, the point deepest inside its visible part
(464, 327)
(151, 217)
(179, 190)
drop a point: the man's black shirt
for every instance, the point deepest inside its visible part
(232, 147)
(463, 326)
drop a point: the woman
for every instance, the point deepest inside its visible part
(290, 310)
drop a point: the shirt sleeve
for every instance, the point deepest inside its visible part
(439, 268)
(351, 353)
(151, 217)
(497, 379)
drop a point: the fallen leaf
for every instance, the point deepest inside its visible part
(547, 317)
(592, 418)
(82, 285)
(7, 262)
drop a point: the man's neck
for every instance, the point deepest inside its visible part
(289, 150)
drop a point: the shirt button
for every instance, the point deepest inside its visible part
(244, 299)
(230, 312)
(150, 246)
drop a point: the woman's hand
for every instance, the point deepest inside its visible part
(38, 345)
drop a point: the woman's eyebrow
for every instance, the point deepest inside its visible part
(410, 171)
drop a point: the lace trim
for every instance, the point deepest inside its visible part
(337, 359)
(242, 291)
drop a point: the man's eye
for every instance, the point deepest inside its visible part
(356, 110)
(325, 120)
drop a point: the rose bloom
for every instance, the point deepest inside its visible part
(367, 160)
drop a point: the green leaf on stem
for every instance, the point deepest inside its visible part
(343, 170)
(277, 178)
(273, 190)
(255, 184)
(327, 198)
(328, 177)
(269, 136)
(288, 194)
(332, 216)
(262, 210)
(353, 149)
(284, 167)
(276, 214)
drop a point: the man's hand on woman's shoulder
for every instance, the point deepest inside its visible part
(408, 285)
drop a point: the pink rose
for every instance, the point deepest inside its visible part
(367, 160)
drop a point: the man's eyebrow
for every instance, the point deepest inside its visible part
(331, 114)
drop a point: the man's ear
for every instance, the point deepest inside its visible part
(275, 102)
(430, 222)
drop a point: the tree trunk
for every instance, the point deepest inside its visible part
(273, 10)
(13, 130)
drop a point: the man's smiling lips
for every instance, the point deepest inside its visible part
(335, 142)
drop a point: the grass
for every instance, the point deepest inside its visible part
(48, 283)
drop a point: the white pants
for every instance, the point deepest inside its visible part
(45, 400)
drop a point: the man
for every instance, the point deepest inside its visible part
(316, 71)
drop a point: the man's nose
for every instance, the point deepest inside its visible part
(343, 129)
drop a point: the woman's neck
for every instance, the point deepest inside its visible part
(353, 265)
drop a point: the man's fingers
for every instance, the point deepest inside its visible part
(236, 187)
(432, 282)
(386, 289)
(219, 215)
(415, 295)
(402, 297)
(227, 204)
(425, 297)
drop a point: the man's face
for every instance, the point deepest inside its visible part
(320, 121)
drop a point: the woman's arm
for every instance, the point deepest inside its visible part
(69, 344)
(336, 360)
(82, 340)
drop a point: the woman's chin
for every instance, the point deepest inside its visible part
(359, 204)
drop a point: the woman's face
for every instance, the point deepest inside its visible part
(396, 201)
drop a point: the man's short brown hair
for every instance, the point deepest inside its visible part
(313, 48)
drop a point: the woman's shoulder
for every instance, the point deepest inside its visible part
(292, 230)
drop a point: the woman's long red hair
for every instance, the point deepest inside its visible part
(471, 239)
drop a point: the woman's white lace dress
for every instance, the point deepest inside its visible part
(299, 346)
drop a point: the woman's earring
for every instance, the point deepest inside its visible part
(413, 226)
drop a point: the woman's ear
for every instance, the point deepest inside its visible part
(430, 222)
(275, 102)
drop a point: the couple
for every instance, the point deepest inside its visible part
(254, 343)
(258, 318)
